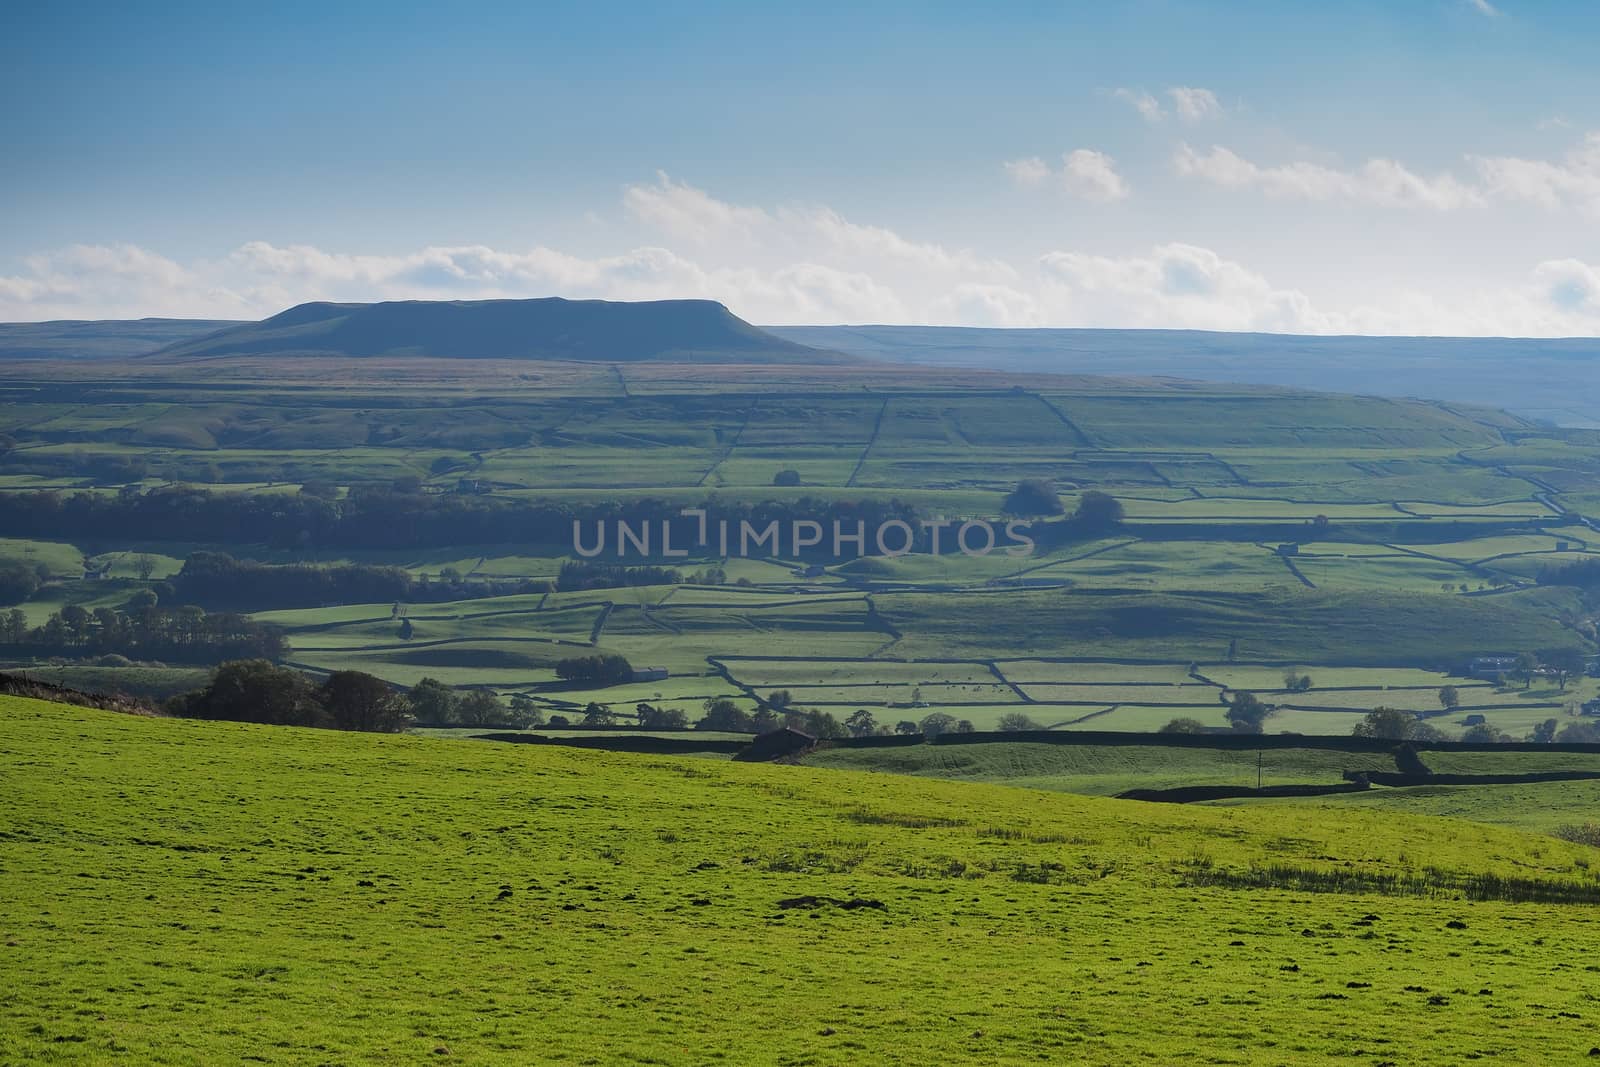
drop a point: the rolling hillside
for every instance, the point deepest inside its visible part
(1555, 380)
(547, 329)
(99, 339)
(193, 893)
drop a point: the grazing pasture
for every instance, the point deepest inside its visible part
(191, 893)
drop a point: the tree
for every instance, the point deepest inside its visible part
(144, 565)
(1449, 697)
(480, 707)
(965, 727)
(1484, 732)
(724, 715)
(1567, 663)
(1295, 682)
(432, 702)
(1246, 712)
(18, 582)
(861, 723)
(359, 701)
(142, 599)
(1014, 722)
(786, 478)
(780, 700)
(1527, 664)
(1390, 723)
(1097, 511)
(937, 723)
(765, 721)
(1579, 733)
(821, 724)
(653, 718)
(905, 728)
(525, 714)
(1183, 726)
(598, 715)
(1544, 733)
(407, 631)
(1033, 497)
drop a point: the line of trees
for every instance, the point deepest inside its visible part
(186, 634)
(376, 517)
(258, 691)
(216, 579)
(591, 574)
(598, 668)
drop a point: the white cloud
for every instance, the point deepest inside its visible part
(1573, 182)
(1194, 105)
(1483, 7)
(1175, 285)
(1378, 181)
(1027, 172)
(811, 264)
(1189, 103)
(1092, 175)
(1148, 107)
(1084, 173)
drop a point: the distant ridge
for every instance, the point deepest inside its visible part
(551, 328)
(99, 339)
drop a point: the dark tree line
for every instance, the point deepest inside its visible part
(257, 691)
(595, 669)
(591, 574)
(215, 579)
(179, 635)
(381, 517)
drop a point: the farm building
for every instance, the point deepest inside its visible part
(1491, 666)
(649, 674)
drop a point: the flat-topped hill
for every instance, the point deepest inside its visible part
(552, 328)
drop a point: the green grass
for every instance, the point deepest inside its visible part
(195, 893)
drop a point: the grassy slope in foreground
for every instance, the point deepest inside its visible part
(184, 892)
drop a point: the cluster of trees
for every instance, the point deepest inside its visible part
(432, 702)
(18, 581)
(598, 668)
(1096, 512)
(258, 691)
(1247, 714)
(1584, 574)
(1397, 725)
(577, 574)
(1295, 682)
(144, 631)
(779, 710)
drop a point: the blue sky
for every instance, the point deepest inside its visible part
(1416, 167)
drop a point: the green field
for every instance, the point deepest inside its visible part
(1264, 529)
(194, 893)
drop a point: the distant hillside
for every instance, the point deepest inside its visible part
(107, 339)
(551, 328)
(1555, 380)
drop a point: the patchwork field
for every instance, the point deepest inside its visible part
(1261, 526)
